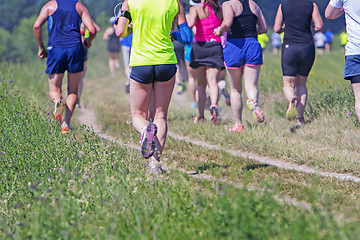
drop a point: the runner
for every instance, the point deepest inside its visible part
(153, 68)
(276, 42)
(113, 47)
(207, 55)
(319, 41)
(84, 35)
(351, 8)
(329, 39)
(65, 51)
(243, 55)
(125, 52)
(295, 17)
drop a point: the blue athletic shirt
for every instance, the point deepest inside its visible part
(64, 25)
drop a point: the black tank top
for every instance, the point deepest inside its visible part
(297, 16)
(244, 25)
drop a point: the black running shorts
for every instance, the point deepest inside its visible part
(297, 59)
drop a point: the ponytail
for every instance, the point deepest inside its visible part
(214, 4)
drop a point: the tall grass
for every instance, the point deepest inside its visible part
(78, 186)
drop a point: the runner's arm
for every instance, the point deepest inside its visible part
(185, 35)
(279, 21)
(333, 12)
(318, 22)
(86, 19)
(261, 23)
(228, 15)
(37, 28)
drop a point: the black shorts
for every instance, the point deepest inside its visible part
(150, 73)
(297, 59)
(208, 54)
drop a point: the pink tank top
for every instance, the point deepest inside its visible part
(205, 27)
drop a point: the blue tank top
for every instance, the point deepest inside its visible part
(297, 16)
(244, 25)
(64, 25)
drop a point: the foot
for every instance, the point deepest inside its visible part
(180, 88)
(292, 111)
(65, 128)
(214, 111)
(154, 168)
(198, 118)
(193, 105)
(148, 135)
(257, 112)
(59, 109)
(237, 128)
(300, 121)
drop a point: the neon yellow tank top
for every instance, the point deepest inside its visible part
(152, 22)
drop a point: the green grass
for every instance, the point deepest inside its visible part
(79, 186)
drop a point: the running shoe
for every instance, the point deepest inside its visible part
(214, 111)
(237, 128)
(292, 111)
(193, 105)
(180, 88)
(197, 119)
(154, 168)
(59, 109)
(257, 112)
(65, 128)
(300, 121)
(148, 135)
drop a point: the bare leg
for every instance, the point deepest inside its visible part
(356, 90)
(191, 81)
(301, 93)
(212, 75)
(73, 83)
(251, 78)
(162, 97)
(55, 83)
(81, 82)
(289, 87)
(235, 80)
(201, 89)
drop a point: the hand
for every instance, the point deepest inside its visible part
(42, 53)
(218, 32)
(87, 43)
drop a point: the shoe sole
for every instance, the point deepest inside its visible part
(258, 114)
(148, 143)
(155, 170)
(291, 112)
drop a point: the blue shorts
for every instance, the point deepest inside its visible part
(150, 73)
(69, 59)
(352, 66)
(242, 51)
(188, 49)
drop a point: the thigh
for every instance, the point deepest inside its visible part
(235, 77)
(251, 74)
(140, 95)
(162, 96)
(55, 80)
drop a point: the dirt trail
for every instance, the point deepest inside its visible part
(87, 117)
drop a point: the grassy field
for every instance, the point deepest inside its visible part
(79, 186)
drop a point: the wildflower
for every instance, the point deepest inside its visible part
(50, 133)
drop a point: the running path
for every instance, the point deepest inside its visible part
(87, 117)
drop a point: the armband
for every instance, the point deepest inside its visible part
(125, 14)
(41, 49)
